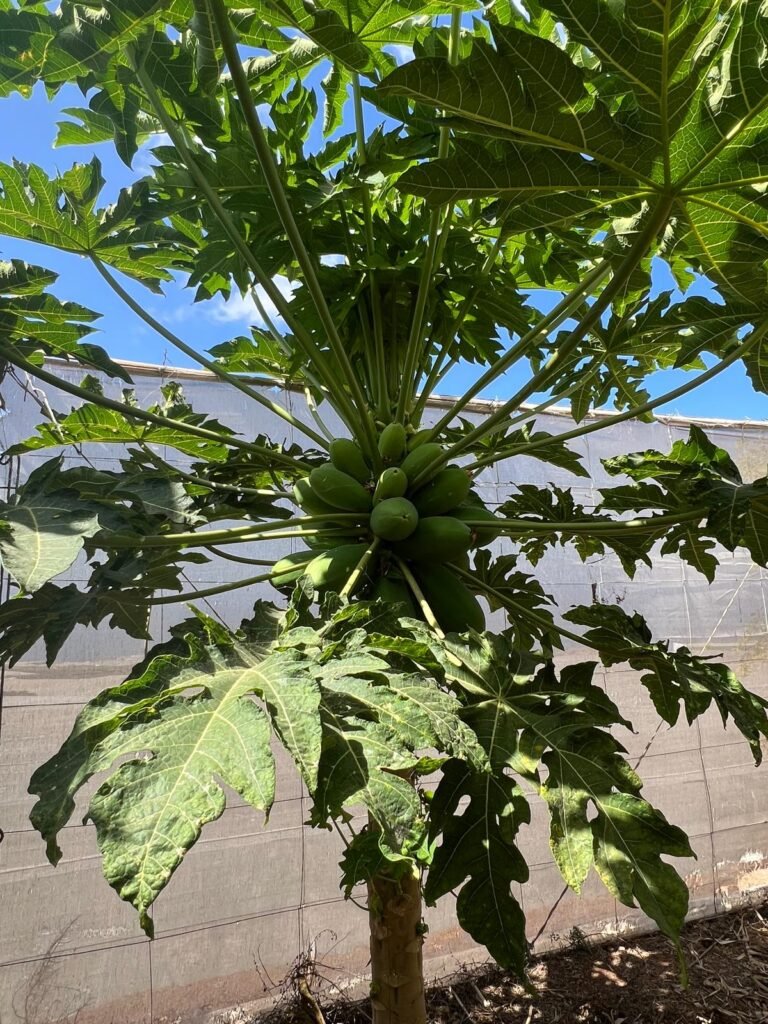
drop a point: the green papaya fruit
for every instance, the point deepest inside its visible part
(436, 539)
(444, 492)
(462, 561)
(392, 443)
(394, 519)
(393, 483)
(473, 513)
(339, 489)
(346, 456)
(305, 498)
(417, 439)
(394, 591)
(456, 608)
(324, 541)
(420, 458)
(288, 569)
(332, 569)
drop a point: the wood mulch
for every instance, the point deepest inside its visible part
(625, 982)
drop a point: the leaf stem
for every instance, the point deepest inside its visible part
(209, 364)
(315, 414)
(553, 319)
(260, 492)
(418, 593)
(235, 534)
(239, 558)
(312, 353)
(436, 373)
(133, 412)
(277, 192)
(223, 588)
(380, 390)
(641, 524)
(639, 249)
(360, 568)
(408, 382)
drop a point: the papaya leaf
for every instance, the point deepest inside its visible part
(674, 678)
(644, 121)
(61, 212)
(528, 608)
(195, 716)
(556, 505)
(95, 423)
(562, 723)
(374, 730)
(478, 856)
(50, 614)
(695, 475)
(42, 531)
(120, 590)
(40, 325)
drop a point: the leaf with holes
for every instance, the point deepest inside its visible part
(196, 716)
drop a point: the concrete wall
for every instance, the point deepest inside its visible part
(247, 900)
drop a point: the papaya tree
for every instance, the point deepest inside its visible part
(418, 172)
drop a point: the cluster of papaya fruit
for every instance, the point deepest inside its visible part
(425, 527)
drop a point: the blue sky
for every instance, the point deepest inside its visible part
(27, 132)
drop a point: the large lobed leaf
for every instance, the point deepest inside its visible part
(675, 679)
(95, 423)
(188, 721)
(621, 106)
(61, 212)
(42, 529)
(531, 717)
(195, 716)
(695, 476)
(38, 324)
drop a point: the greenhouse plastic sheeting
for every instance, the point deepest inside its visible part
(248, 899)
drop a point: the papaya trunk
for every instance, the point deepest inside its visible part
(395, 914)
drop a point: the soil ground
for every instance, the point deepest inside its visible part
(628, 982)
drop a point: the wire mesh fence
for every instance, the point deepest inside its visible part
(249, 898)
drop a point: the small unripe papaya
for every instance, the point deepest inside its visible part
(420, 459)
(436, 539)
(393, 592)
(393, 483)
(444, 492)
(332, 569)
(346, 456)
(483, 535)
(305, 498)
(339, 489)
(394, 519)
(290, 568)
(333, 538)
(417, 439)
(455, 607)
(392, 443)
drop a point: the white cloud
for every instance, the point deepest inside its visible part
(241, 309)
(180, 314)
(400, 52)
(143, 161)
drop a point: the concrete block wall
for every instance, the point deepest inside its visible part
(248, 899)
